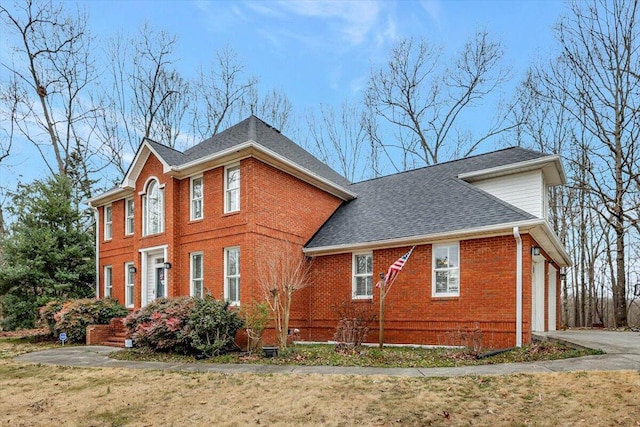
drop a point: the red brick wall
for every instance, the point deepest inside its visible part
(264, 191)
(486, 301)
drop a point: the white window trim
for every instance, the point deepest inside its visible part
(108, 224)
(192, 279)
(354, 275)
(227, 190)
(192, 199)
(435, 294)
(108, 281)
(128, 232)
(145, 214)
(227, 276)
(127, 285)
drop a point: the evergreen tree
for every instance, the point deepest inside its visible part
(48, 254)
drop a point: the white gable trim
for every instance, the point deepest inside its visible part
(551, 167)
(253, 149)
(140, 159)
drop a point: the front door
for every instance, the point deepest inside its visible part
(537, 291)
(553, 276)
(155, 283)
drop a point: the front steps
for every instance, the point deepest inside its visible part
(113, 335)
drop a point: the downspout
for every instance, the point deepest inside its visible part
(97, 216)
(516, 234)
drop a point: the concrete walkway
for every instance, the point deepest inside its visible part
(623, 353)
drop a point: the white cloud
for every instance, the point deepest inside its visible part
(434, 9)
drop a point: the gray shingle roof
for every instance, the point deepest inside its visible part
(251, 129)
(422, 202)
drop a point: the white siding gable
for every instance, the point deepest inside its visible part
(525, 190)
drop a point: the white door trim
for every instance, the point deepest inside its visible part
(148, 253)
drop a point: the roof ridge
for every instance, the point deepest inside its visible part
(447, 162)
(163, 145)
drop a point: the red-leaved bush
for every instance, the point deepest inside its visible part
(202, 326)
(72, 317)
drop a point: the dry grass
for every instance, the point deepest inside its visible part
(44, 395)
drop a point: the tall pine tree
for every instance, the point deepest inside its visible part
(48, 253)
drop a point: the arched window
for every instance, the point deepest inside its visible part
(153, 209)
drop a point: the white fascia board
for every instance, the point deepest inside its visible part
(538, 228)
(550, 165)
(252, 148)
(548, 240)
(108, 197)
(470, 233)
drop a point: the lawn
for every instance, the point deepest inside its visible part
(44, 395)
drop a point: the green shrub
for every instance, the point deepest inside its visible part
(17, 313)
(185, 325)
(75, 315)
(256, 319)
(213, 326)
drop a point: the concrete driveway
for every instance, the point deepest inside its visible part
(622, 348)
(611, 342)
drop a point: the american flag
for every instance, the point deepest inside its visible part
(395, 268)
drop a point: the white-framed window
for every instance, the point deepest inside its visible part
(197, 188)
(108, 222)
(446, 270)
(153, 209)
(232, 275)
(129, 277)
(197, 275)
(108, 281)
(362, 276)
(232, 188)
(128, 217)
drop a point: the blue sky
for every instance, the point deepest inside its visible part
(322, 51)
(319, 52)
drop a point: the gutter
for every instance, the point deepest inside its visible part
(516, 235)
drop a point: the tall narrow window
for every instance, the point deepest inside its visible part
(128, 217)
(129, 276)
(446, 270)
(196, 198)
(153, 209)
(362, 276)
(197, 276)
(232, 275)
(232, 188)
(108, 281)
(108, 222)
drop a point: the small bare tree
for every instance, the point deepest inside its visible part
(283, 271)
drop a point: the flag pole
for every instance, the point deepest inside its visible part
(383, 294)
(384, 290)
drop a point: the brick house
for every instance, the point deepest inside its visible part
(485, 258)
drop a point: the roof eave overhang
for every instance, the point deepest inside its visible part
(253, 149)
(110, 196)
(551, 167)
(538, 228)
